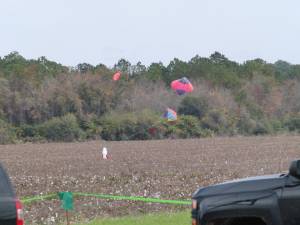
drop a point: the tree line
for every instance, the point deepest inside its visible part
(42, 100)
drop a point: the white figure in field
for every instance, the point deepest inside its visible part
(104, 153)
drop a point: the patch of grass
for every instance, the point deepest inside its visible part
(180, 218)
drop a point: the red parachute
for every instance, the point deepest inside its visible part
(182, 86)
(117, 76)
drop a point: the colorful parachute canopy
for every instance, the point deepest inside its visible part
(182, 86)
(117, 76)
(170, 115)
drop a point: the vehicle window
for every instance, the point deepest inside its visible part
(5, 186)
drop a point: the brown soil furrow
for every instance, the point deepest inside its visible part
(171, 169)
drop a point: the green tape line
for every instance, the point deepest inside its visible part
(28, 200)
(135, 198)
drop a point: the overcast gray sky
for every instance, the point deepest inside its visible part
(94, 31)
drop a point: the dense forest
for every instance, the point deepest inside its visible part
(42, 100)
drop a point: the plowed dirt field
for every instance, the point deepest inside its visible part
(166, 169)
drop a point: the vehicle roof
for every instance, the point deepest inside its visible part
(250, 184)
(6, 189)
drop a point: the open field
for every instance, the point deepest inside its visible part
(168, 169)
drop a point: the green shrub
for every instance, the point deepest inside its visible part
(215, 121)
(30, 133)
(185, 127)
(130, 126)
(145, 120)
(147, 125)
(278, 126)
(263, 127)
(91, 127)
(249, 126)
(194, 106)
(189, 127)
(293, 123)
(63, 128)
(255, 110)
(246, 125)
(28, 130)
(117, 127)
(7, 133)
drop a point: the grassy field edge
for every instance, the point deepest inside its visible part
(178, 218)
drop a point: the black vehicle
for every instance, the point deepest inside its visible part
(10, 207)
(263, 200)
